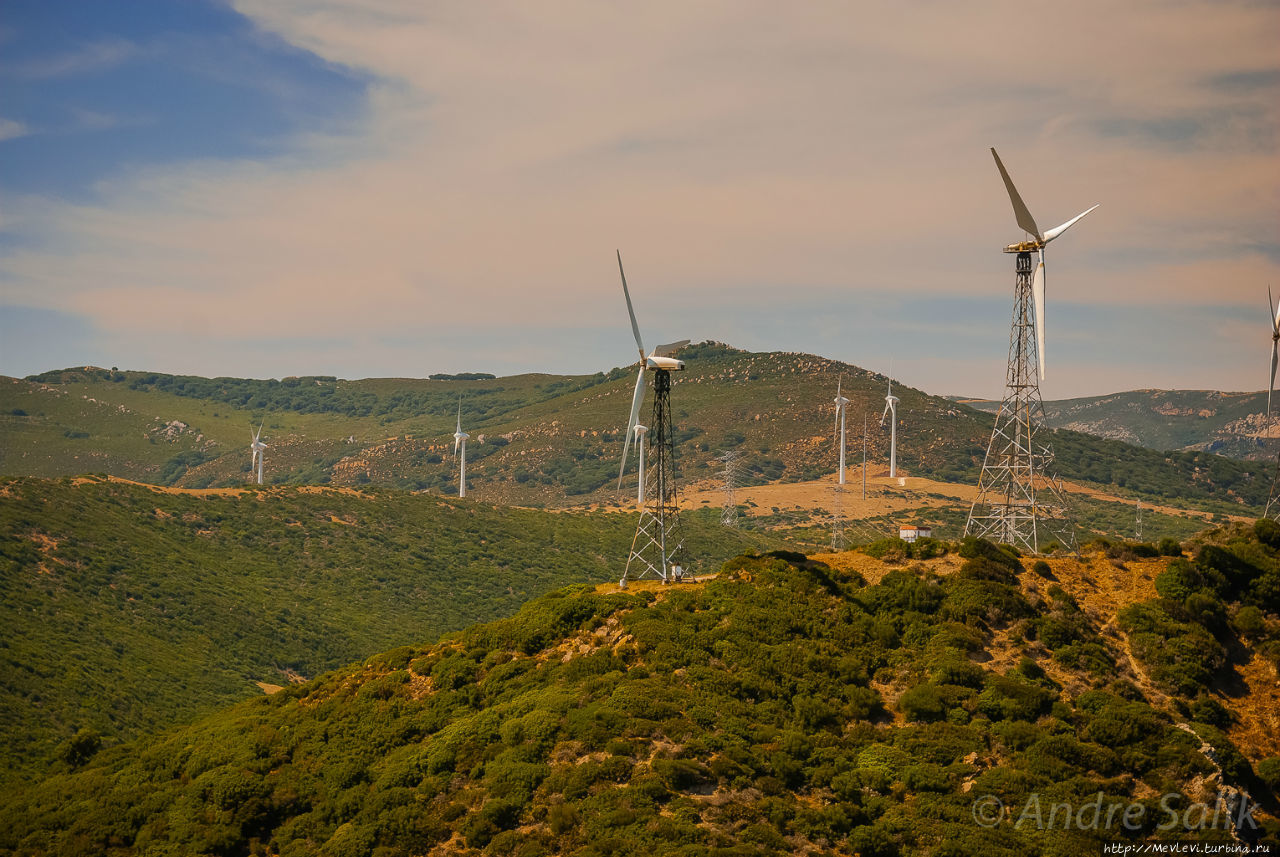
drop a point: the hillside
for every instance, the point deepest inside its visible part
(537, 439)
(787, 706)
(127, 608)
(1228, 424)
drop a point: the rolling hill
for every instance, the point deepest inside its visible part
(127, 608)
(537, 439)
(787, 706)
(1229, 424)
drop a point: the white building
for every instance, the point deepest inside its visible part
(914, 531)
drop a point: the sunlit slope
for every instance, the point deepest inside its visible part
(539, 439)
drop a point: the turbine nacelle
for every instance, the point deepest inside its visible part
(658, 360)
(667, 364)
(1040, 239)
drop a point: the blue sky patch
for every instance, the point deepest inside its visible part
(89, 90)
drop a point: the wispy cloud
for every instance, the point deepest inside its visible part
(95, 56)
(11, 129)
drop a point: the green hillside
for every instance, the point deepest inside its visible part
(126, 608)
(1229, 424)
(784, 707)
(538, 439)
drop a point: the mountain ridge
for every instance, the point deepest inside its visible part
(1232, 424)
(536, 439)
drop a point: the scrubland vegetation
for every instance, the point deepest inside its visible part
(783, 707)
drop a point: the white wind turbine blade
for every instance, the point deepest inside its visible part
(836, 430)
(635, 328)
(1025, 220)
(457, 432)
(670, 348)
(885, 414)
(636, 398)
(1058, 230)
(1273, 310)
(1037, 297)
(1275, 357)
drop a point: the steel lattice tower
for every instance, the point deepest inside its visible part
(729, 515)
(1019, 501)
(658, 547)
(838, 541)
(1272, 510)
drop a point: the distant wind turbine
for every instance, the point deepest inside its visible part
(841, 404)
(256, 447)
(460, 452)
(1028, 224)
(1275, 346)
(891, 411)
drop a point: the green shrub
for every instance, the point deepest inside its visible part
(1267, 532)
(882, 548)
(924, 702)
(81, 747)
(1007, 698)
(1268, 771)
(1248, 622)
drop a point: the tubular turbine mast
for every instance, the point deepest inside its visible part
(658, 547)
(1019, 501)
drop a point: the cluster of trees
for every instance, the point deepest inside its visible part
(1209, 605)
(747, 716)
(325, 394)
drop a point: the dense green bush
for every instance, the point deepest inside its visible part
(1268, 771)
(1180, 655)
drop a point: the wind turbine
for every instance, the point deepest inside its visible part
(1275, 346)
(841, 404)
(659, 360)
(657, 542)
(256, 446)
(1019, 499)
(1041, 240)
(891, 411)
(460, 452)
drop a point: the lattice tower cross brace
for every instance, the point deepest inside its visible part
(1018, 500)
(658, 547)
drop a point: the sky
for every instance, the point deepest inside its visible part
(365, 188)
